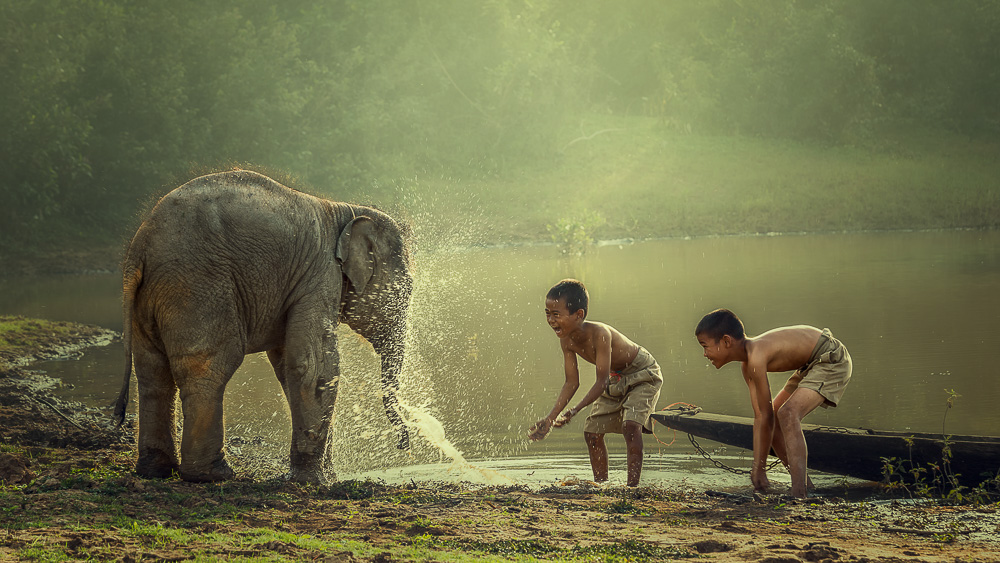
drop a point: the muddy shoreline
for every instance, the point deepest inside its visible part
(68, 487)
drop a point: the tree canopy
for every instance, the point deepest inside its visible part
(106, 103)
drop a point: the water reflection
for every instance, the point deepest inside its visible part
(917, 310)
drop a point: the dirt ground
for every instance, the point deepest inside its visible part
(68, 489)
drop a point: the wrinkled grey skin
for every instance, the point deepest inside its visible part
(234, 263)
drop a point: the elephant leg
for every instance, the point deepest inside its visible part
(157, 414)
(277, 358)
(202, 379)
(308, 369)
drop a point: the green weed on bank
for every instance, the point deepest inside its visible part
(938, 479)
(18, 332)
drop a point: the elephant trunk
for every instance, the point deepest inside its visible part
(392, 364)
(389, 342)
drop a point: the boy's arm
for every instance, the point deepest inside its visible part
(755, 374)
(569, 387)
(602, 363)
(541, 428)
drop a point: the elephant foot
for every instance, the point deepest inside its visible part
(314, 476)
(156, 465)
(217, 471)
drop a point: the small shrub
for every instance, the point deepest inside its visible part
(575, 234)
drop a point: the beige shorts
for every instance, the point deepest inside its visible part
(631, 395)
(827, 372)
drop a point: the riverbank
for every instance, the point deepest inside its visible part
(68, 492)
(638, 181)
(644, 182)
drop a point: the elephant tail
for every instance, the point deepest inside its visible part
(132, 277)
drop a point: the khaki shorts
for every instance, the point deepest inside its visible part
(631, 395)
(827, 372)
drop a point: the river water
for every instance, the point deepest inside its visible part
(918, 311)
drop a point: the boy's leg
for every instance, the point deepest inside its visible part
(598, 455)
(633, 441)
(778, 438)
(799, 404)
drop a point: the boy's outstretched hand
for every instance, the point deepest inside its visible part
(539, 430)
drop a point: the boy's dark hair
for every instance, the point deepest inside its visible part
(719, 323)
(573, 292)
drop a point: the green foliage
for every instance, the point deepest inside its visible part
(806, 83)
(43, 554)
(631, 550)
(627, 550)
(574, 235)
(937, 479)
(952, 396)
(17, 332)
(350, 490)
(156, 533)
(107, 104)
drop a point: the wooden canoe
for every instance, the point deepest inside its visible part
(855, 452)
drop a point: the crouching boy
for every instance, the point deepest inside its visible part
(822, 370)
(625, 392)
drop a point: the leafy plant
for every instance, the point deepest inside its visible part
(575, 234)
(936, 479)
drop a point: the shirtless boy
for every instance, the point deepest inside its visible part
(627, 386)
(822, 369)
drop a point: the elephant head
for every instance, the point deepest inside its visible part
(375, 262)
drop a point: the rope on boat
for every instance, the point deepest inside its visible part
(688, 408)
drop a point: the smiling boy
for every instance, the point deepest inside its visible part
(822, 370)
(627, 386)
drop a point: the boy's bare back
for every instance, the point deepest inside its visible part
(822, 369)
(785, 348)
(594, 333)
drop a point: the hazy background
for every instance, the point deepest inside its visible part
(506, 120)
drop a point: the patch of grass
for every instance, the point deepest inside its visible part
(265, 536)
(156, 533)
(18, 332)
(505, 548)
(628, 550)
(351, 490)
(43, 554)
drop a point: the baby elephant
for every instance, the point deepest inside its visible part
(235, 263)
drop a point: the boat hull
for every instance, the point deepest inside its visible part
(856, 452)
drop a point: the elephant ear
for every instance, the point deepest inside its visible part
(355, 252)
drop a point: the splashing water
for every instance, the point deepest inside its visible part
(431, 429)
